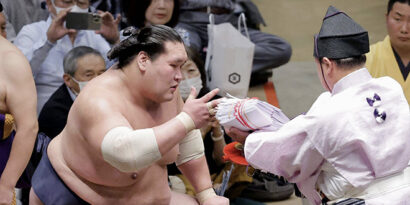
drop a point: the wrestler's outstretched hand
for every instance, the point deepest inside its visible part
(197, 109)
(216, 200)
(237, 134)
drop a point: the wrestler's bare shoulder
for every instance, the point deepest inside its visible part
(10, 53)
(14, 70)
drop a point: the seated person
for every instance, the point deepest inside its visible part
(391, 57)
(81, 65)
(45, 43)
(270, 50)
(151, 12)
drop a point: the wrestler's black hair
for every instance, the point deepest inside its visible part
(391, 3)
(1, 7)
(134, 11)
(150, 39)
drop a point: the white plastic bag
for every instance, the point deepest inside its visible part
(229, 58)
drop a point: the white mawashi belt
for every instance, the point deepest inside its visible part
(380, 186)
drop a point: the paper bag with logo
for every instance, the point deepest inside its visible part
(229, 58)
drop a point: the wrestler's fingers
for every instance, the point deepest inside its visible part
(209, 95)
(212, 112)
(192, 95)
(214, 103)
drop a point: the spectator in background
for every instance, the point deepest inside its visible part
(18, 124)
(22, 12)
(391, 57)
(81, 65)
(270, 50)
(45, 43)
(150, 12)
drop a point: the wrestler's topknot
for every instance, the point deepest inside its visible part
(149, 39)
(132, 34)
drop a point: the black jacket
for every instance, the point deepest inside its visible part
(53, 116)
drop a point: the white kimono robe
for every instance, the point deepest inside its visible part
(338, 145)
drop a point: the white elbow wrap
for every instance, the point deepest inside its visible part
(129, 150)
(191, 147)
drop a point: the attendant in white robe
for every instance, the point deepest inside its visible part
(353, 145)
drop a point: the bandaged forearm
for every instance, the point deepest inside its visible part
(205, 194)
(130, 150)
(191, 147)
(187, 121)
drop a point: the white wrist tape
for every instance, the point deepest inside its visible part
(191, 147)
(205, 194)
(130, 150)
(186, 120)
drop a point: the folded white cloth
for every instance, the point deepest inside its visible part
(249, 114)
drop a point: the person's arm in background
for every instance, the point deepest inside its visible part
(21, 102)
(109, 35)
(218, 138)
(35, 44)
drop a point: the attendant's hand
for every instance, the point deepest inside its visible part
(57, 30)
(197, 109)
(109, 27)
(237, 134)
(6, 195)
(216, 200)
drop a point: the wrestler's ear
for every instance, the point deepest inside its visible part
(143, 60)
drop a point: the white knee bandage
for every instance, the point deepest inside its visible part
(191, 147)
(130, 150)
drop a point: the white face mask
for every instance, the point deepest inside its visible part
(77, 9)
(74, 8)
(81, 84)
(185, 86)
(58, 9)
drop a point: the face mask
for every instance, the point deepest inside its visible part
(185, 86)
(58, 9)
(77, 9)
(81, 84)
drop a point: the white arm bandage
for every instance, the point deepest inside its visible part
(205, 194)
(130, 150)
(186, 120)
(191, 147)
